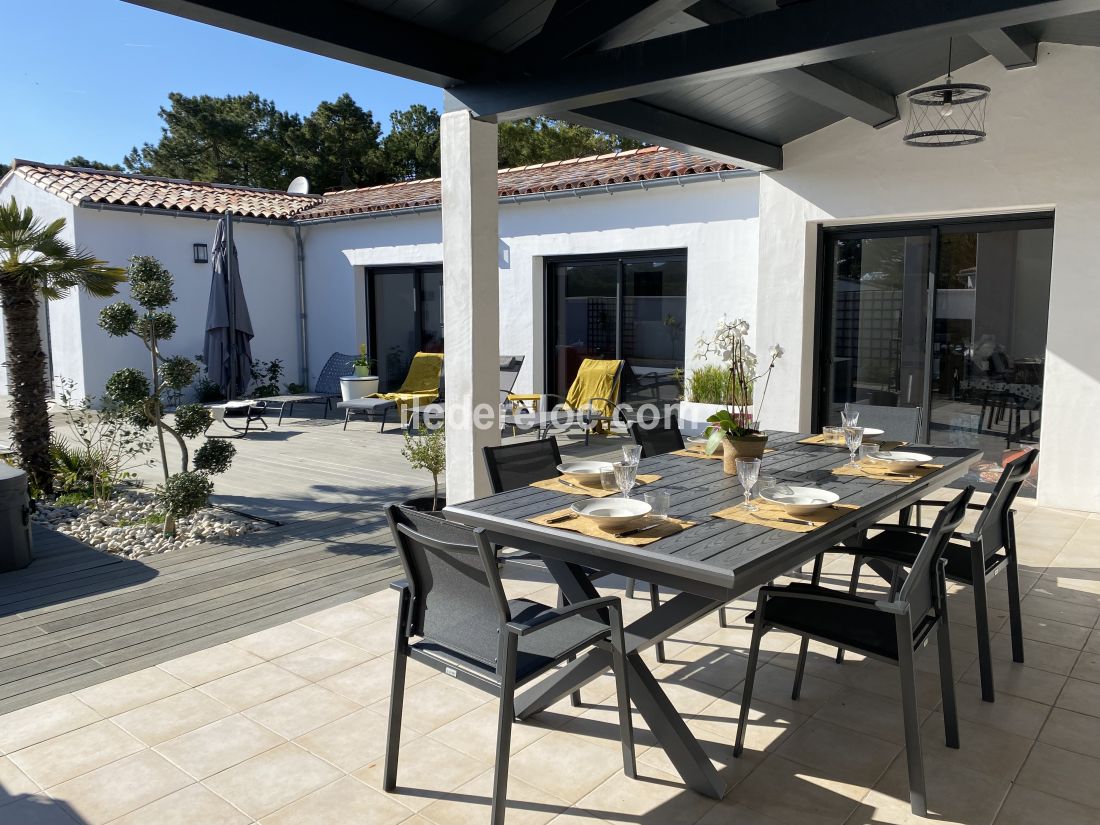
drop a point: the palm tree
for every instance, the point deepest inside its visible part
(36, 261)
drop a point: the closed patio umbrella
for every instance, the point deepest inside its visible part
(227, 348)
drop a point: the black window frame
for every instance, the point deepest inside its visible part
(369, 274)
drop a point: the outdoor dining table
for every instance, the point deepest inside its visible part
(708, 564)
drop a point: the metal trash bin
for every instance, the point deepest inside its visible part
(15, 519)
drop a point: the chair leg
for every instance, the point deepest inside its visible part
(575, 696)
(347, 418)
(750, 675)
(917, 793)
(382, 428)
(947, 680)
(981, 623)
(804, 647)
(722, 620)
(853, 587)
(1014, 620)
(630, 588)
(397, 698)
(654, 603)
(504, 730)
(622, 692)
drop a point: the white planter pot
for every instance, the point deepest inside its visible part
(693, 416)
(355, 386)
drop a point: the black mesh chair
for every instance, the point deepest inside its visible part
(454, 616)
(658, 439)
(973, 558)
(896, 423)
(886, 629)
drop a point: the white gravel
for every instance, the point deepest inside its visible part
(118, 526)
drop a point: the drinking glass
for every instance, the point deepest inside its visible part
(748, 470)
(632, 453)
(849, 417)
(763, 483)
(608, 480)
(658, 501)
(866, 450)
(625, 474)
(833, 435)
(853, 437)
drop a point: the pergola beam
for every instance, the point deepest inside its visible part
(811, 32)
(840, 91)
(1013, 49)
(574, 24)
(654, 125)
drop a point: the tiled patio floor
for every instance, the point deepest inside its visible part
(287, 726)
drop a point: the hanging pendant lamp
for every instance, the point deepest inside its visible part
(947, 114)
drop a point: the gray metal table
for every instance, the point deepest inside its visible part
(709, 564)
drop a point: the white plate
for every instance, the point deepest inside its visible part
(799, 501)
(612, 512)
(586, 472)
(870, 433)
(697, 441)
(897, 462)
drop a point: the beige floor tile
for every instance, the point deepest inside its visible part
(983, 749)
(278, 641)
(1045, 607)
(374, 637)
(1072, 731)
(130, 691)
(426, 771)
(470, 803)
(13, 782)
(1052, 658)
(339, 619)
(351, 742)
(564, 764)
(39, 810)
(265, 783)
(654, 797)
(1018, 680)
(45, 720)
(1009, 713)
(77, 752)
(208, 665)
(868, 713)
(1080, 696)
(839, 753)
(323, 659)
(578, 816)
(1093, 643)
(729, 811)
(773, 685)
(301, 711)
(435, 702)
(1079, 587)
(193, 805)
(1087, 667)
(1062, 773)
(955, 795)
(171, 716)
(219, 745)
(475, 733)
(121, 787)
(768, 725)
(253, 686)
(347, 800)
(370, 681)
(789, 792)
(1025, 806)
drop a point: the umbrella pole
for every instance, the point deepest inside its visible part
(231, 296)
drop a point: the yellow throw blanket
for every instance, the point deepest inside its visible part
(595, 379)
(421, 385)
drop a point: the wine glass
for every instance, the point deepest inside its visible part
(853, 437)
(848, 416)
(625, 474)
(748, 470)
(632, 453)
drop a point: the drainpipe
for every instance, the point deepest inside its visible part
(303, 329)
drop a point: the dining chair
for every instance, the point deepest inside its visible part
(663, 437)
(896, 423)
(889, 630)
(512, 466)
(453, 616)
(973, 557)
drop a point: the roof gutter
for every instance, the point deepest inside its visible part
(580, 192)
(179, 213)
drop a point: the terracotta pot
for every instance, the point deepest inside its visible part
(751, 446)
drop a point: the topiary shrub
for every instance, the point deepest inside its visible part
(184, 494)
(214, 456)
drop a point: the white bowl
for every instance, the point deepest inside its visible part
(799, 501)
(612, 512)
(696, 441)
(584, 472)
(895, 461)
(872, 433)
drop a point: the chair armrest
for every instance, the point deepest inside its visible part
(901, 528)
(825, 597)
(927, 502)
(399, 585)
(613, 404)
(559, 613)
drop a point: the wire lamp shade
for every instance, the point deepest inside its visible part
(947, 114)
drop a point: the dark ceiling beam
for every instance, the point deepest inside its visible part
(1014, 49)
(815, 31)
(646, 122)
(840, 91)
(574, 24)
(343, 31)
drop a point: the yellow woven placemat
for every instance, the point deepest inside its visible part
(821, 439)
(882, 444)
(774, 516)
(884, 475)
(669, 527)
(698, 451)
(560, 485)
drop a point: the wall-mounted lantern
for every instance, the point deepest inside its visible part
(202, 255)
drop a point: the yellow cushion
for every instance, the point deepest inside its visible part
(421, 385)
(595, 379)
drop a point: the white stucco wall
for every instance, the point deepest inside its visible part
(64, 314)
(1044, 124)
(267, 261)
(715, 221)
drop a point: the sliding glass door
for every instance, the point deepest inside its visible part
(405, 316)
(624, 307)
(948, 317)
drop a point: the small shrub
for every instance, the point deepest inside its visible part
(207, 392)
(427, 450)
(178, 372)
(183, 494)
(214, 456)
(710, 385)
(266, 375)
(294, 388)
(118, 319)
(128, 387)
(192, 420)
(72, 499)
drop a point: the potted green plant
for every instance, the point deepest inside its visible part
(735, 430)
(362, 383)
(363, 366)
(427, 450)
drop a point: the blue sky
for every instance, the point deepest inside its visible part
(87, 77)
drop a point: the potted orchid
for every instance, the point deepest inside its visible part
(734, 429)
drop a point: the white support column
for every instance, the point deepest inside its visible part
(471, 296)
